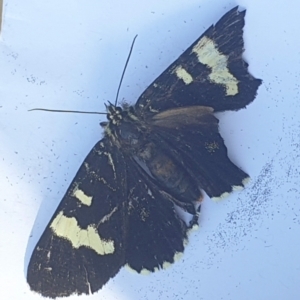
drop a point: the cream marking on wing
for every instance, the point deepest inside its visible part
(209, 55)
(87, 281)
(68, 228)
(221, 197)
(246, 180)
(110, 161)
(152, 109)
(87, 167)
(108, 216)
(149, 192)
(237, 187)
(131, 270)
(142, 272)
(178, 256)
(145, 272)
(165, 265)
(234, 188)
(195, 227)
(183, 74)
(98, 152)
(101, 179)
(82, 197)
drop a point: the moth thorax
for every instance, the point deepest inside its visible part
(129, 133)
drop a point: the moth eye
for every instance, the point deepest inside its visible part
(119, 110)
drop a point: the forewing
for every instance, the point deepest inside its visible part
(156, 235)
(198, 146)
(211, 72)
(83, 244)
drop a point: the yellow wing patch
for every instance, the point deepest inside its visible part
(208, 54)
(183, 74)
(82, 197)
(68, 228)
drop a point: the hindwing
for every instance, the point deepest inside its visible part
(193, 136)
(156, 235)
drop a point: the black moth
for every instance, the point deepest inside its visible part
(160, 153)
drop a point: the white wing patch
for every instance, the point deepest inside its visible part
(183, 74)
(82, 197)
(208, 54)
(68, 228)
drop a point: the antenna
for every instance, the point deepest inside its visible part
(125, 69)
(93, 112)
(68, 111)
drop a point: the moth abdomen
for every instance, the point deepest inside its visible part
(170, 174)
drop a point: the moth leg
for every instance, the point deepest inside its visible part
(194, 222)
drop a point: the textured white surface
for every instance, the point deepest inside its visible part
(70, 55)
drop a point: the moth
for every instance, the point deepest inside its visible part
(155, 157)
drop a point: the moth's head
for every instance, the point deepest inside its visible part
(121, 125)
(114, 115)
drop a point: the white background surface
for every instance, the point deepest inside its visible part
(70, 55)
